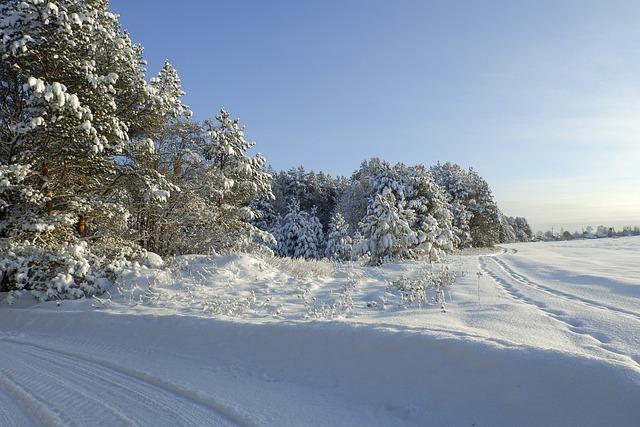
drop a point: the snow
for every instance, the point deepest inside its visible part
(546, 335)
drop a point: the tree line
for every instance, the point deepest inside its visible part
(384, 212)
(599, 232)
(100, 166)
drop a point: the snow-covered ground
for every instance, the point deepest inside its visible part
(548, 334)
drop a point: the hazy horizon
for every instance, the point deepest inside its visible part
(542, 99)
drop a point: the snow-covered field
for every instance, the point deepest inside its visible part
(548, 334)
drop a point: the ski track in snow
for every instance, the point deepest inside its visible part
(512, 282)
(68, 388)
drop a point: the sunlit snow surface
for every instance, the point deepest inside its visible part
(548, 334)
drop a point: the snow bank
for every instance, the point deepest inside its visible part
(383, 375)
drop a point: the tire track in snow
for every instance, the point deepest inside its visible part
(37, 410)
(10, 415)
(140, 387)
(74, 392)
(560, 294)
(574, 325)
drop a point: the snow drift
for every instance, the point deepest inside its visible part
(379, 375)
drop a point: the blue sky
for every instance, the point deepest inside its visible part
(541, 97)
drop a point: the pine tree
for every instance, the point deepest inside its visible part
(339, 243)
(353, 202)
(299, 234)
(68, 110)
(432, 218)
(231, 180)
(484, 225)
(476, 216)
(521, 228)
(386, 231)
(317, 232)
(310, 239)
(507, 231)
(357, 242)
(452, 179)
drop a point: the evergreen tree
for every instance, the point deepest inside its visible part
(452, 179)
(316, 231)
(431, 219)
(522, 229)
(299, 234)
(484, 225)
(507, 231)
(339, 243)
(353, 202)
(231, 180)
(71, 117)
(386, 232)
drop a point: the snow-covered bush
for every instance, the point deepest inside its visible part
(64, 271)
(442, 280)
(300, 268)
(427, 288)
(412, 292)
(336, 305)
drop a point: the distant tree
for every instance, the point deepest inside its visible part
(339, 243)
(507, 229)
(522, 229)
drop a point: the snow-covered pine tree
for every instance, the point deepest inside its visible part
(390, 180)
(353, 202)
(521, 228)
(310, 189)
(68, 111)
(180, 223)
(431, 219)
(386, 231)
(299, 234)
(484, 225)
(452, 178)
(288, 230)
(265, 217)
(311, 239)
(507, 232)
(148, 158)
(316, 230)
(339, 243)
(357, 242)
(231, 180)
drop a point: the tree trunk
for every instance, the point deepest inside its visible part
(82, 226)
(45, 175)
